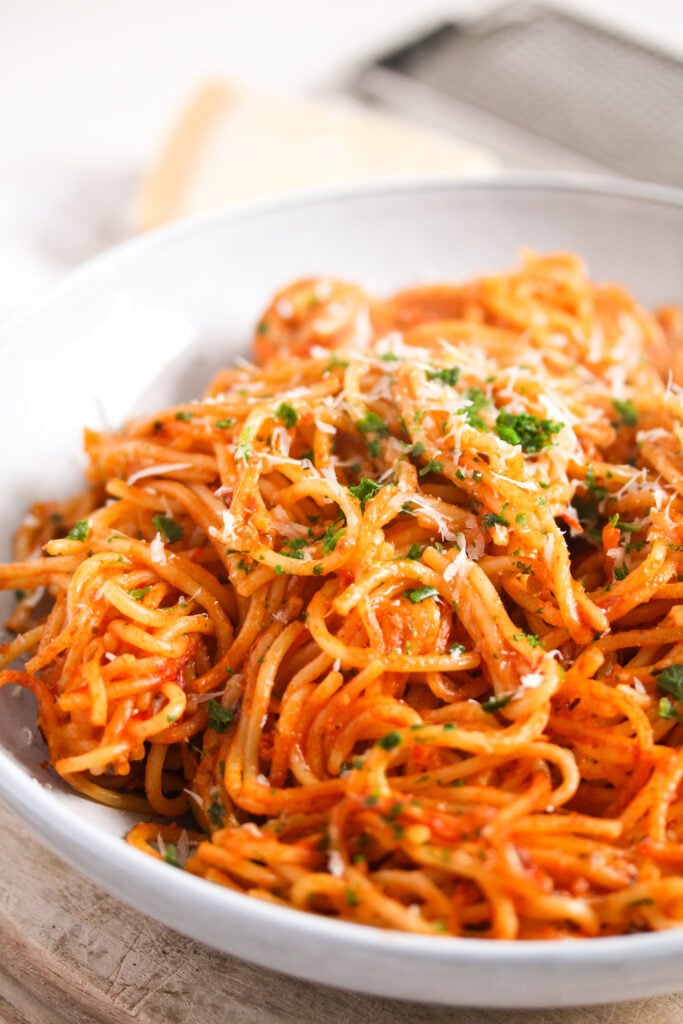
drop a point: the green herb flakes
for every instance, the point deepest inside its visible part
(171, 855)
(490, 519)
(168, 527)
(80, 531)
(476, 401)
(532, 433)
(670, 680)
(287, 414)
(372, 424)
(449, 376)
(496, 703)
(669, 711)
(531, 639)
(627, 412)
(390, 741)
(330, 538)
(219, 717)
(364, 490)
(420, 594)
(433, 466)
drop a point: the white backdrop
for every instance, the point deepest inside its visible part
(92, 83)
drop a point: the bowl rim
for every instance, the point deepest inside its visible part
(54, 822)
(172, 234)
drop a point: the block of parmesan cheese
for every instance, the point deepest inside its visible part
(232, 144)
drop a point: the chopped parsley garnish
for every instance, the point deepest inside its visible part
(372, 424)
(365, 490)
(219, 717)
(526, 429)
(451, 375)
(531, 638)
(171, 530)
(80, 531)
(171, 855)
(140, 592)
(414, 552)
(627, 412)
(620, 572)
(595, 491)
(186, 416)
(19, 595)
(621, 525)
(216, 813)
(587, 507)
(670, 680)
(292, 547)
(287, 414)
(477, 401)
(420, 594)
(243, 451)
(490, 519)
(433, 466)
(669, 711)
(457, 648)
(335, 362)
(226, 423)
(330, 538)
(262, 328)
(418, 449)
(391, 740)
(495, 703)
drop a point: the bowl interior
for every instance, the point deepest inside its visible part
(150, 323)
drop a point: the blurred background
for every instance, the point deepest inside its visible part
(117, 117)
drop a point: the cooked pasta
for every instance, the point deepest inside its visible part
(395, 614)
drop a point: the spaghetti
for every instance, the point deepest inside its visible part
(396, 614)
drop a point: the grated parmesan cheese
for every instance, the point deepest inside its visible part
(658, 434)
(425, 506)
(335, 863)
(458, 566)
(158, 469)
(158, 551)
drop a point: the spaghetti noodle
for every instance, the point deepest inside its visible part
(396, 614)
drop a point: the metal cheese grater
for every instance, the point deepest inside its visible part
(541, 88)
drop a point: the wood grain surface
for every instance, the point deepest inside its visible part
(70, 954)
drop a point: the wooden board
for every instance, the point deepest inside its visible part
(70, 954)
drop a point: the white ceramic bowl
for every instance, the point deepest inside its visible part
(147, 324)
